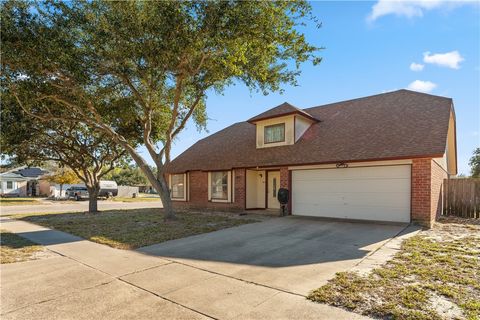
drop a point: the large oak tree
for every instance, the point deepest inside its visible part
(90, 155)
(148, 64)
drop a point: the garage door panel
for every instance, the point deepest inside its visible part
(354, 173)
(366, 198)
(370, 193)
(356, 186)
(360, 213)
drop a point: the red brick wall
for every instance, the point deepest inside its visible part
(421, 171)
(427, 179)
(426, 199)
(240, 188)
(198, 193)
(285, 183)
(438, 174)
(284, 178)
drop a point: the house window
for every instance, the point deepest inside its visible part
(219, 185)
(178, 186)
(274, 133)
(9, 184)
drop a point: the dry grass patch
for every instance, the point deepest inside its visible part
(14, 248)
(18, 201)
(137, 199)
(130, 229)
(436, 275)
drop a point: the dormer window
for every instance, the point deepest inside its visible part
(274, 133)
(281, 126)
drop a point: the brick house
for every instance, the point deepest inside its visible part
(380, 158)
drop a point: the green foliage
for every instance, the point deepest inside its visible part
(127, 176)
(128, 62)
(138, 71)
(87, 153)
(475, 163)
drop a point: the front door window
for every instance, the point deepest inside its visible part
(273, 183)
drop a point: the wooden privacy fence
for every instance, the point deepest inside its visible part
(461, 197)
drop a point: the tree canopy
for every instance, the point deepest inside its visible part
(127, 176)
(475, 163)
(144, 67)
(88, 154)
(63, 176)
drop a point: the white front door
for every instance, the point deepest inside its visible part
(272, 189)
(367, 193)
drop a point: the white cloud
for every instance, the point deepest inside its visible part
(416, 66)
(422, 86)
(410, 8)
(449, 59)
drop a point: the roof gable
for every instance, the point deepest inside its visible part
(279, 111)
(11, 176)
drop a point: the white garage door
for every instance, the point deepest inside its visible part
(369, 193)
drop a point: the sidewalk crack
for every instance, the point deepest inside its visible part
(167, 299)
(235, 278)
(60, 296)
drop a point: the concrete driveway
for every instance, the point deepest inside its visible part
(255, 271)
(294, 254)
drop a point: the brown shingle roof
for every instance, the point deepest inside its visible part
(281, 110)
(399, 124)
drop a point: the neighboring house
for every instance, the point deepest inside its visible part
(24, 181)
(13, 185)
(382, 157)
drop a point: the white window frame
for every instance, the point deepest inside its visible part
(229, 187)
(265, 129)
(6, 185)
(185, 187)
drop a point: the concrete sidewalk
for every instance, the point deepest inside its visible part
(87, 280)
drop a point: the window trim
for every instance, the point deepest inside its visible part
(229, 187)
(185, 187)
(271, 126)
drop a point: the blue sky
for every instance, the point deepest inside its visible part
(369, 49)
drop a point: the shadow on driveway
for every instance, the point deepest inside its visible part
(282, 242)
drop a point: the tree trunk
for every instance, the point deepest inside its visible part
(93, 198)
(164, 193)
(161, 186)
(158, 182)
(61, 189)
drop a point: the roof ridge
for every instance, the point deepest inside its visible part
(425, 94)
(376, 95)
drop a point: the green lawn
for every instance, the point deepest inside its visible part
(15, 249)
(436, 275)
(130, 229)
(18, 201)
